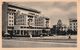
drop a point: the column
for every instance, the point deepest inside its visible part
(48, 33)
(23, 32)
(41, 32)
(19, 32)
(30, 33)
(15, 32)
(33, 32)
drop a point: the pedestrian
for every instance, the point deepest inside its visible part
(69, 37)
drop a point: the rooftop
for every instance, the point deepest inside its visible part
(20, 7)
(73, 20)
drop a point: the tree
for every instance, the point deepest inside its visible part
(59, 27)
(59, 23)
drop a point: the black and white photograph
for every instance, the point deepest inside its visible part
(39, 24)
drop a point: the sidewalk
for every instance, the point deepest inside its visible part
(47, 37)
(61, 37)
(56, 39)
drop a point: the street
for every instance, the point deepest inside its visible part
(23, 42)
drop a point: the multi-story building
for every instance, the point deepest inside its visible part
(7, 18)
(73, 24)
(23, 21)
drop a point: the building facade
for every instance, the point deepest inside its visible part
(23, 21)
(73, 24)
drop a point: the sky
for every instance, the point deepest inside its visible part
(53, 10)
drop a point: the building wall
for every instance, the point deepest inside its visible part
(39, 21)
(21, 21)
(11, 15)
(4, 17)
(73, 24)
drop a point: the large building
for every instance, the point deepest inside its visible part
(23, 21)
(73, 24)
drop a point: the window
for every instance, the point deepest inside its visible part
(12, 17)
(22, 27)
(9, 20)
(74, 26)
(25, 27)
(9, 13)
(12, 13)
(74, 23)
(12, 24)
(70, 24)
(12, 20)
(70, 27)
(9, 24)
(9, 16)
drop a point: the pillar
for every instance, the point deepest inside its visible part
(19, 32)
(23, 32)
(41, 31)
(15, 32)
(30, 33)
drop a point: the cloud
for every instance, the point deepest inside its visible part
(72, 15)
(64, 6)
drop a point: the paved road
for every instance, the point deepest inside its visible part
(14, 43)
